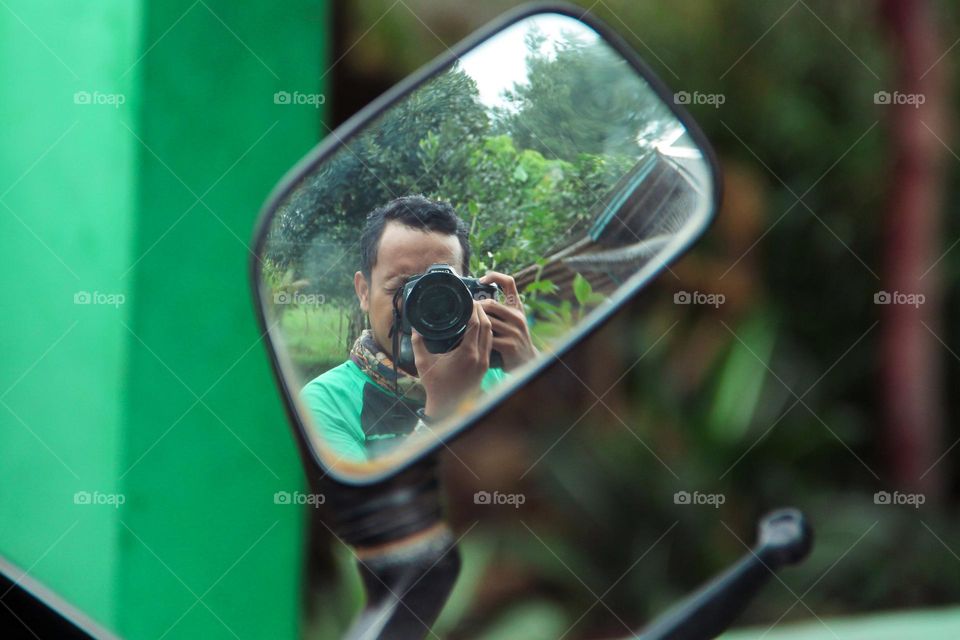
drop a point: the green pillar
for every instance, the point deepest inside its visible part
(68, 176)
(141, 138)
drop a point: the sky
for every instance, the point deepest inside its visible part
(500, 62)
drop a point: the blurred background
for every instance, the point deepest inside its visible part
(805, 353)
(790, 383)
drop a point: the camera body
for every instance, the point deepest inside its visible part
(438, 303)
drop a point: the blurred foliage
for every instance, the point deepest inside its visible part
(769, 398)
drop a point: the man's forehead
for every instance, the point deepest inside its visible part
(405, 251)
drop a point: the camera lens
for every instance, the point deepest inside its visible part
(439, 306)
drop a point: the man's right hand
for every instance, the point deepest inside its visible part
(453, 377)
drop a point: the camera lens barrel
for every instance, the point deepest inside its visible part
(438, 305)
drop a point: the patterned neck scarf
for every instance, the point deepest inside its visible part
(374, 362)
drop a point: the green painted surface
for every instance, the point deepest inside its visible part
(67, 176)
(166, 399)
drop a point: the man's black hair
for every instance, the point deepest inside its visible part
(416, 212)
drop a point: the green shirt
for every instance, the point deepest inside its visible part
(356, 417)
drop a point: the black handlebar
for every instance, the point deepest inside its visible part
(784, 537)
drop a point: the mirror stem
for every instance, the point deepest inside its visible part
(407, 584)
(407, 556)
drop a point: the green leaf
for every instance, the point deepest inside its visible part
(540, 286)
(520, 174)
(582, 290)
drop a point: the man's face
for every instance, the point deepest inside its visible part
(403, 252)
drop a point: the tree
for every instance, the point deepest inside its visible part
(580, 97)
(424, 139)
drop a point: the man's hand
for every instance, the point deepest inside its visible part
(511, 335)
(452, 377)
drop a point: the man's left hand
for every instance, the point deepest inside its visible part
(511, 336)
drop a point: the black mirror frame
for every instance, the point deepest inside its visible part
(339, 138)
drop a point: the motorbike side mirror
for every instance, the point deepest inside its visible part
(539, 164)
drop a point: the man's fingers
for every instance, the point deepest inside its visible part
(496, 309)
(485, 339)
(503, 345)
(507, 284)
(473, 324)
(422, 357)
(419, 349)
(503, 329)
(484, 324)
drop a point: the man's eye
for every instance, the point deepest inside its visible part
(394, 287)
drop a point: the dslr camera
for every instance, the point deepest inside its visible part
(438, 304)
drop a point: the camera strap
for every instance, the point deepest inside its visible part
(395, 338)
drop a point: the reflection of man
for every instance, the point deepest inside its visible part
(361, 406)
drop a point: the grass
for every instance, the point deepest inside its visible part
(316, 337)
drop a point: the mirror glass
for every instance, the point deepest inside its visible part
(431, 259)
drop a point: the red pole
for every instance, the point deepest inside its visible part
(911, 355)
